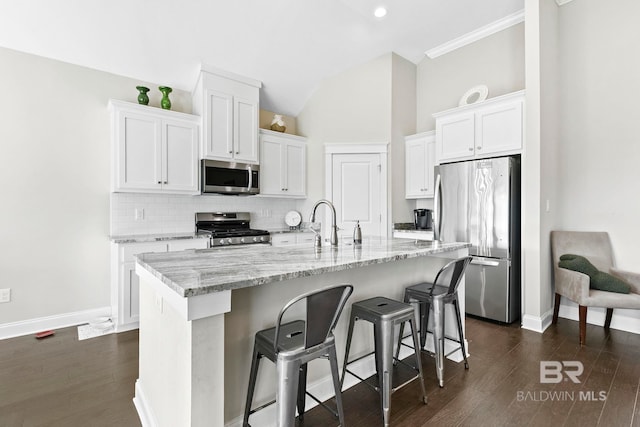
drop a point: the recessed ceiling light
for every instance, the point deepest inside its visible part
(380, 12)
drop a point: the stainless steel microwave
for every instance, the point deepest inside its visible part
(229, 178)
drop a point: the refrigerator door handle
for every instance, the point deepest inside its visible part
(437, 207)
(478, 261)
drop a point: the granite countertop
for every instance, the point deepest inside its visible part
(141, 238)
(409, 226)
(287, 230)
(202, 271)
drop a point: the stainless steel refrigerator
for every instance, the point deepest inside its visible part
(478, 201)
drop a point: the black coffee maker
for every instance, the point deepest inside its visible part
(423, 219)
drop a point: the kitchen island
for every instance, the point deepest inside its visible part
(199, 311)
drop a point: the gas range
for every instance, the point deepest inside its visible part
(229, 228)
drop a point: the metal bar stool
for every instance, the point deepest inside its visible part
(292, 345)
(385, 314)
(443, 290)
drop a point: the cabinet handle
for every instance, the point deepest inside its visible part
(470, 148)
(479, 147)
(159, 182)
(237, 152)
(282, 189)
(230, 151)
(166, 182)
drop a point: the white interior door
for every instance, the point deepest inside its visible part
(356, 193)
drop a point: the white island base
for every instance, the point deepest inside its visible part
(195, 352)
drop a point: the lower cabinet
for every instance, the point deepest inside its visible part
(125, 287)
(283, 239)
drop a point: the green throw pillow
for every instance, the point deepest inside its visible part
(597, 279)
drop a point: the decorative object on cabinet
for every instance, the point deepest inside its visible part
(154, 150)
(282, 165)
(278, 124)
(165, 102)
(143, 98)
(420, 160)
(475, 94)
(491, 128)
(229, 105)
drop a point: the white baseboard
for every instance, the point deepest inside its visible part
(146, 416)
(622, 319)
(323, 388)
(30, 326)
(537, 323)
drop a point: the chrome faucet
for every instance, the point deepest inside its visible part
(334, 228)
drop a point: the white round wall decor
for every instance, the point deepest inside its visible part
(293, 218)
(475, 94)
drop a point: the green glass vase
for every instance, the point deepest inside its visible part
(143, 98)
(165, 102)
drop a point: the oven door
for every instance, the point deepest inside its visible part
(229, 178)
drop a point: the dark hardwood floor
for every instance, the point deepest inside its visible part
(60, 381)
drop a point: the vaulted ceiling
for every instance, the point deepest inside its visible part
(289, 45)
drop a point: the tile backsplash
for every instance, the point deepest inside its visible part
(133, 213)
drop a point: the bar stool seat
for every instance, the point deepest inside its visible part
(443, 290)
(294, 344)
(384, 314)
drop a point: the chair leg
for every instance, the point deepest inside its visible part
(582, 315)
(556, 308)
(424, 323)
(607, 320)
(333, 361)
(438, 338)
(414, 334)
(460, 333)
(288, 373)
(407, 300)
(346, 351)
(384, 349)
(302, 391)
(255, 362)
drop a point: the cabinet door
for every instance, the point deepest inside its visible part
(129, 295)
(430, 163)
(455, 137)
(415, 168)
(180, 169)
(499, 128)
(139, 152)
(295, 170)
(218, 140)
(245, 130)
(271, 168)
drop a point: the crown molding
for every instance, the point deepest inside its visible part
(561, 2)
(480, 33)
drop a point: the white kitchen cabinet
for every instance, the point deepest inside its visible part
(283, 160)
(283, 239)
(229, 106)
(125, 287)
(420, 160)
(486, 129)
(154, 150)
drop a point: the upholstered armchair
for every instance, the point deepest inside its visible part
(596, 247)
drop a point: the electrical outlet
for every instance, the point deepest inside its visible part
(139, 214)
(5, 295)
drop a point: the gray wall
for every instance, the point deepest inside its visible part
(496, 61)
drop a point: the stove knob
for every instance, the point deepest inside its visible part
(222, 241)
(242, 240)
(229, 241)
(255, 239)
(263, 238)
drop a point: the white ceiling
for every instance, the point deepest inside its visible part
(289, 45)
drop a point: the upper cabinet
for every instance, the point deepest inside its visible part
(283, 160)
(486, 129)
(229, 105)
(420, 160)
(154, 150)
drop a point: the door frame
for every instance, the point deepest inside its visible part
(380, 148)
